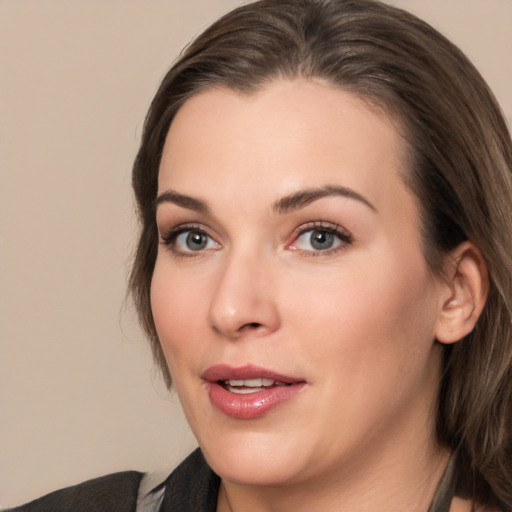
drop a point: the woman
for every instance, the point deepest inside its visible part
(324, 266)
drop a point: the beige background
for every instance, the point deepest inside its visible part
(79, 396)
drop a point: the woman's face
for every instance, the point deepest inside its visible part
(290, 293)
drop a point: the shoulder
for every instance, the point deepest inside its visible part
(191, 487)
(113, 493)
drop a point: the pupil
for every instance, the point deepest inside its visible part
(322, 240)
(196, 241)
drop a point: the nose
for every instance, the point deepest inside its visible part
(244, 300)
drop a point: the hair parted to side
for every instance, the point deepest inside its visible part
(460, 169)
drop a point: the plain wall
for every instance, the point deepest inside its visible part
(79, 395)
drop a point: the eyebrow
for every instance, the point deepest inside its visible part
(188, 202)
(302, 198)
(291, 202)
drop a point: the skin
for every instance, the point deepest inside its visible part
(357, 321)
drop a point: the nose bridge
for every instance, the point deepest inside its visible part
(243, 301)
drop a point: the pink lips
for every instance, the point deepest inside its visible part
(248, 402)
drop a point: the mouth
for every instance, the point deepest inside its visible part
(248, 386)
(249, 392)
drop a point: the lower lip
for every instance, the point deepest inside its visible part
(252, 405)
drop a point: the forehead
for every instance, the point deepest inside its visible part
(287, 135)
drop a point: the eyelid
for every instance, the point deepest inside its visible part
(337, 230)
(169, 236)
(168, 233)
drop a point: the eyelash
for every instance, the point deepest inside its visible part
(168, 238)
(324, 227)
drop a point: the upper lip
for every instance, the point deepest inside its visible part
(223, 372)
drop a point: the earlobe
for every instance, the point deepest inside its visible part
(465, 292)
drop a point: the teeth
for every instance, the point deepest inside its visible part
(252, 383)
(244, 391)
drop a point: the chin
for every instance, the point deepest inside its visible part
(256, 459)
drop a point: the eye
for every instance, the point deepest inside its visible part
(189, 240)
(319, 239)
(193, 241)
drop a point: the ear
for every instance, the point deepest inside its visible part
(464, 293)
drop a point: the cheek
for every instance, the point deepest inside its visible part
(368, 336)
(176, 303)
(384, 309)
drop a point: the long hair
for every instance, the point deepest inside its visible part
(460, 169)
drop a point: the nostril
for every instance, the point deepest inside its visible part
(252, 325)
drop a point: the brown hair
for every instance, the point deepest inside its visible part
(460, 156)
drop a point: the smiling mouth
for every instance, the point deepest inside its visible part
(248, 386)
